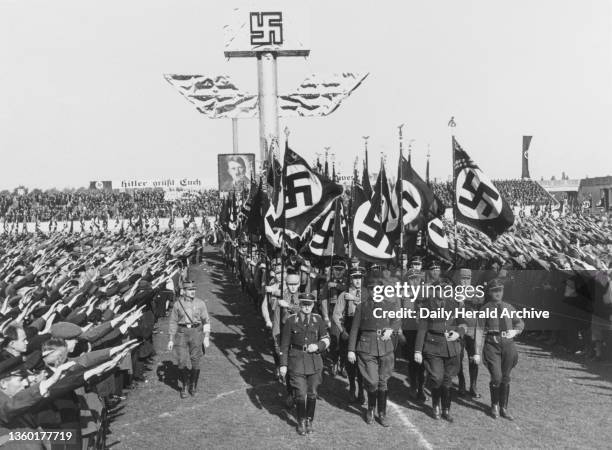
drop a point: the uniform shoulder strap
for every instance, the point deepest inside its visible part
(184, 311)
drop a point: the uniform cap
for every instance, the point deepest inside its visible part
(66, 330)
(434, 265)
(465, 273)
(306, 298)
(339, 264)
(415, 273)
(189, 285)
(357, 272)
(495, 284)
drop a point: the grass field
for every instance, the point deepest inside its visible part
(557, 401)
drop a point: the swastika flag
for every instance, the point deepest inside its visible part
(308, 196)
(418, 201)
(437, 242)
(369, 240)
(329, 235)
(477, 201)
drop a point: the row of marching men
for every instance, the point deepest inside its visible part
(324, 318)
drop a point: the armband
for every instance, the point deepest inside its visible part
(206, 328)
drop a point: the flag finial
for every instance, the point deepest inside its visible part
(451, 122)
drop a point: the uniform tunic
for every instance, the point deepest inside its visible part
(304, 368)
(187, 334)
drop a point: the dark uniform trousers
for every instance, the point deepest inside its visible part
(188, 345)
(440, 356)
(500, 356)
(304, 369)
(375, 356)
(499, 353)
(376, 370)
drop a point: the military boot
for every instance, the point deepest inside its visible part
(504, 393)
(184, 375)
(446, 404)
(494, 400)
(369, 418)
(382, 408)
(435, 403)
(311, 403)
(301, 417)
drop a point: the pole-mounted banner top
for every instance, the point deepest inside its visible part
(257, 32)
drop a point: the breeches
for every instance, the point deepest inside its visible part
(305, 385)
(376, 370)
(441, 369)
(188, 345)
(500, 358)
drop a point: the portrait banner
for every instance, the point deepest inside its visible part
(236, 170)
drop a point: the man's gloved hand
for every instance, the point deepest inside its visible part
(452, 336)
(512, 333)
(170, 346)
(387, 334)
(418, 357)
(351, 357)
(283, 371)
(476, 359)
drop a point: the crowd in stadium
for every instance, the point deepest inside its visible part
(77, 317)
(516, 192)
(78, 310)
(88, 204)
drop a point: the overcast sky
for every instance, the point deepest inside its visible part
(82, 93)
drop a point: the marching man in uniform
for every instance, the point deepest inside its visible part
(190, 329)
(370, 338)
(499, 352)
(303, 339)
(438, 347)
(470, 304)
(344, 312)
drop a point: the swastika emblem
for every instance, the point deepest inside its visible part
(437, 233)
(369, 236)
(266, 28)
(477, 198)
(411, 202)
(302, 190)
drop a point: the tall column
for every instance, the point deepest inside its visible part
(235, 135)
(268, 101)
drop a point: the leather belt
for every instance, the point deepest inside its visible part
(378, 332)
(302, 348)
(439, 333)
(190, 325)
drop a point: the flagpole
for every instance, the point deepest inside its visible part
(283, 187)
(452, 124)
(400, 200)
(365, 141)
